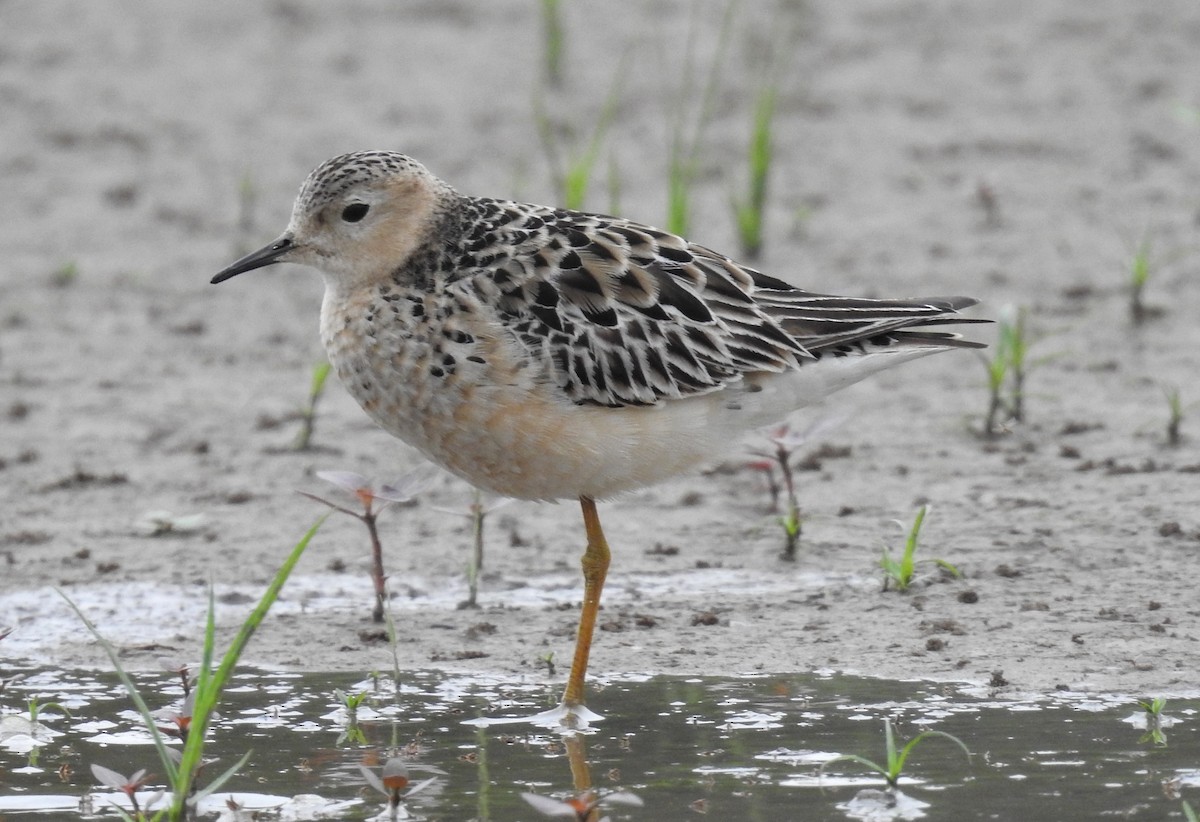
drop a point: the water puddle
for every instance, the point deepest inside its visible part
(762, 748)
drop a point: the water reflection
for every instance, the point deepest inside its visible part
(746, 749)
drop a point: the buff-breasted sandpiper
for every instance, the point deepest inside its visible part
(545, 354)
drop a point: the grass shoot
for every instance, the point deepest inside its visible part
(1153, 710)
(553, 41)
(784, 443)
(65, 275)
(1007, 372)
(353, 734)
(478, 512)
(901, 573)
(750, 211)
(1141, 269)
(373, 501)
(689, 125)
(308, 416)
(896, 757)
(193, 720)
(572, 176)
(1175, 415)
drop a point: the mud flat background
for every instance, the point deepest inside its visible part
(133, 133)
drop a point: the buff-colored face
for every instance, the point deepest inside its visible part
(357, 219)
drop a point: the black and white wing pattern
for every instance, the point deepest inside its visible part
(624, 314)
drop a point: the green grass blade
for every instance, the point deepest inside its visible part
(144, 710)
(208, 689)
(861, 760)
(902, 757)
(319, 375)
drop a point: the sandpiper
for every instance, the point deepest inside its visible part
(543, 353)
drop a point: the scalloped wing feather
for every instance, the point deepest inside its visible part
(619, 313)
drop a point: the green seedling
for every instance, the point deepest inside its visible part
(1141, 268)
(572, 177)
(783, 445)
(688, 126)
(1188, 813)
(200, 706)
(351, 702)
(1008, 371)
(547, 659)
(1155, 732)
(900, 573)
(750, 212)
(553, 41)
(896, 757)
(478, 512)
(34, 727)
(308, 416)
(36, 708)
(373, 501)
(1175, 415)
(65, 275)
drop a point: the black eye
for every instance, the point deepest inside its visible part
(355, 212)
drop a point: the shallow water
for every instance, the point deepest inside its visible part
(747, 748)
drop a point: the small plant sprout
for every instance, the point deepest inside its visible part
(1008, 368)
(552, 41)
(1175, 415)
(896, 757)
(1141, 268)
(750, 212)
(1189, 813)
(182, 770)
(683, 160)
(36, 708)
(308, 416)
(392, 780)
(128, 785)
(65, 275)
(373, 501)
(1155, 722)
(572, 177)
(478, 512)
(351, 702)
(582, 806)
(547, 659)
(31, 731)
(900, 573)
(784, 442)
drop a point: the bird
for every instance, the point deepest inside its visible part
(544, 353)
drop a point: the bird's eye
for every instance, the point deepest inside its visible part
(355, 212)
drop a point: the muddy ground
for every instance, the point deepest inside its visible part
(1015, 150)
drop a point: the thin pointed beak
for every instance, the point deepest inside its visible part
(268, 255)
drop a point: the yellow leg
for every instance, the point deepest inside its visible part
(585, 798)
(595, 569)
